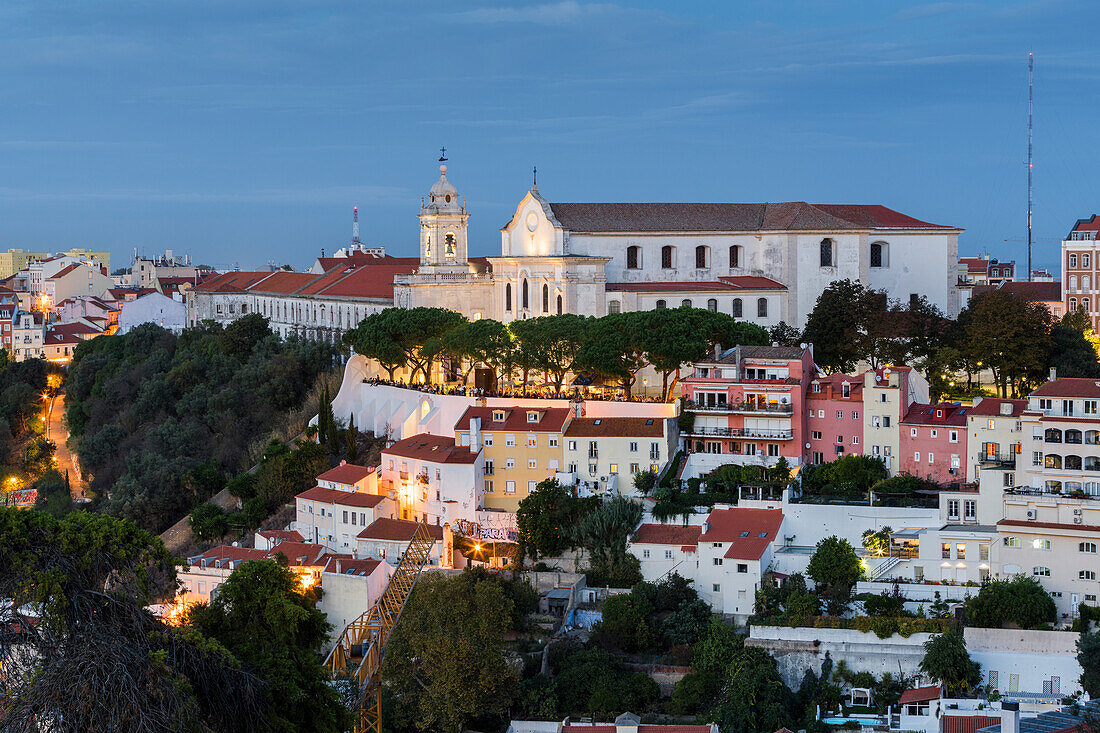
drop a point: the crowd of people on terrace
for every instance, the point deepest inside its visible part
(544, 391)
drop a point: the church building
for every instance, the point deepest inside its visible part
(763, 263)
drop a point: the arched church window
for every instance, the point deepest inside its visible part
(508, 297)
(702, 256)
(526, 301)
(660, 304)
(735, 256)
(633, 257)
(762, 307)
(738, 308)
(449, 240)
(685, 303)
(827, 253)
(667, 253)
(878, 249)
(712, 305)
(545, 298)
(614, 306)
(559, 305)
(447, 198)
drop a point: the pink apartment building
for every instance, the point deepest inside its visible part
(834, 418)
(933, 442)
(748, 403)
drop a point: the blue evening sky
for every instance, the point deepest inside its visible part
(243, 131)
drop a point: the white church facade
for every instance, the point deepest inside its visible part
(763, 263)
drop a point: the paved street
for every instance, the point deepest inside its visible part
(58, 432)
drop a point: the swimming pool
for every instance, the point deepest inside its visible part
(861, 719)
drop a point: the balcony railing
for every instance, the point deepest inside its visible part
(1027, 491)
(741, 433)
(999, 459)
(772, 407)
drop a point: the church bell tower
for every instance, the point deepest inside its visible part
(443, 226)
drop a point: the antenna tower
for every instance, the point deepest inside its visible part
(355, 226)
(1030, 85)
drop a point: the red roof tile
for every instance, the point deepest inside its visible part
(350, 566)
(305, 552)
(749, 531)
(1069, 387)
(343, 498)
(396, 530)
(432, 448)
(941, 413)
(991, 407)
(282, 534)
(966, 723)
(1027, 523)
(668, 534)
(346, 473)
(920, 694)
(515, 419)
(1037, 292)
(367, 280)
(611, 427)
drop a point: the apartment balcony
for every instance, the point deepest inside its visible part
(998, 460)
(751, 408)
(740, 433)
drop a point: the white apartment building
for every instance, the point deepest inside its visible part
(730, 554)
(996, 434)
(28, 335)
(387, 539)
(333, 518)
(611, 451)
(431, 479)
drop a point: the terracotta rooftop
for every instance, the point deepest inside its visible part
(343, 498)
(1028, 523)
(397, 530)
(749, 531)
(966, 723)
(1069, 387)
(550, 419)
(920, 694)
(282, 534)
(350, 566)
(432, 448)
(730, 217)
(615, 427)
(346, 473)
(941, 413)
(668, 534)
(1039, 292)
(788, 353)
(991, 407)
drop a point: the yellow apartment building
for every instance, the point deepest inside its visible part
(521, 447)
(15, 260)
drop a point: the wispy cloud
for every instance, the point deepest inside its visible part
(567, 11)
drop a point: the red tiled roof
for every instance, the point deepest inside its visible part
(362, 258)
(966, 723)
(232, 554)
(743, 528)
(1037, 292)
(610, 427)
(991, 407)
(1069, 387)
(63, 272)
(920, 694)
(922, 414)
(364, 280)
(668, 534)
(350, 566)
(730, 217)
(1092, 224)
(433, 448)
(228, 282)
(515, 419)
(1024, 523)
(975, 264)
(343, 498)
(396, 530)
(282, 534)
(346, 473)
(282, 283)
(308, 552)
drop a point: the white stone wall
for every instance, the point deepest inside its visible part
(346, 597)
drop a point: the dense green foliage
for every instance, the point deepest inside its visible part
(1020, 601)
(835, 568)
(148, 409)
(22, 385)
(947, 661)
(612, 348)
(789, 602)
(755, 698)
(653, 616)
(849, 477)
(54, 494)
(1088, 656)
(262, 616)
(101, 661)
(446, 663)
(546, 518)
(603, 533)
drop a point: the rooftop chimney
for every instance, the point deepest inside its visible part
(1053, 374)
(1010, 717)
(475, 434)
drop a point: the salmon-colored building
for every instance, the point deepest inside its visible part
(748, 403)
(933, 442)
(834, 417)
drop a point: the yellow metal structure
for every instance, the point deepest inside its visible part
(357, 656)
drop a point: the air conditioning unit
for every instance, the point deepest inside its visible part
(1077, 520)
(1031, 514)
(1077, 511)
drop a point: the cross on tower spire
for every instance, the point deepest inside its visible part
(443, 155)
(534, 176)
